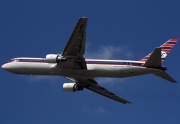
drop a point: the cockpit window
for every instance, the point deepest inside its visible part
(13, 60)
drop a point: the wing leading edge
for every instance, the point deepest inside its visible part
(76, 43)
(92, 85)
(75, 48)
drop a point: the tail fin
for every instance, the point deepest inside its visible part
(154, 60)
(165, 50)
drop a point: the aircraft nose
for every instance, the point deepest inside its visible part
(9, 67)
(5, 67)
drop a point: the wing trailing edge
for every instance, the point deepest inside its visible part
(92, 85)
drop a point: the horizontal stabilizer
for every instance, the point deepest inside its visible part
(154, 59)
(165, 76)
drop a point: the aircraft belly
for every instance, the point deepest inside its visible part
(120, 71)
(91, 72)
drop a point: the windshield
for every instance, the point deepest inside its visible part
(13, 60)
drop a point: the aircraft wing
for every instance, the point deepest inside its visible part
(92, 85)
(73, 59)
(76, 43)
(75, 48)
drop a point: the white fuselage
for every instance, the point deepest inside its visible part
(95, 68)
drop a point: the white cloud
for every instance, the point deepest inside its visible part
(97, 111)
(100, 110)
(40, 78)
(109, 52)
(111, 81)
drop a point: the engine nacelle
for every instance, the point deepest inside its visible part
(71, 87)
(55, 58)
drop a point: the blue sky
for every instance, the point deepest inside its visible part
(125, 29)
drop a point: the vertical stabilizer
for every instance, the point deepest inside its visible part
(165, 50)
(154, 60)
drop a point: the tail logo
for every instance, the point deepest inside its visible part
(163, 54)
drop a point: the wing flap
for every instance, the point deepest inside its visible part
(102, 91)
(92, 85)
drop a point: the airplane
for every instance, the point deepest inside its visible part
(72, 65)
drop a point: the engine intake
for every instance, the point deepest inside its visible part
(71, 87)
(54, 58)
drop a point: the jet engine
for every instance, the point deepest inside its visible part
(71, 87)
(54, 58)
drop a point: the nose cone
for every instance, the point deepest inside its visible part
(7, 67)
(4, 66)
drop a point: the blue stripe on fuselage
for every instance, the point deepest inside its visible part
(114, 63)
(87, 62)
